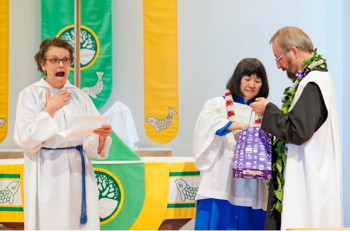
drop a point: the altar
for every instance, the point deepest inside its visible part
(134, 195)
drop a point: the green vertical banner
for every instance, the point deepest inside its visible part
(95, 41)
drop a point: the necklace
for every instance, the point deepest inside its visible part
(229, 108)
(229, 105)
(310, 64)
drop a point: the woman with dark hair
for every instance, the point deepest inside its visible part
(225, 202)
(60, 189)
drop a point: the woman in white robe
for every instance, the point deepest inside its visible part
(225, 202)
(53, 180)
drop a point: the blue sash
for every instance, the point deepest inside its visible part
(83, 216)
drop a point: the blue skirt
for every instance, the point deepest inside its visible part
(214, 214)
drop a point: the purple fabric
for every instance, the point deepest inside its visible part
(252, 157)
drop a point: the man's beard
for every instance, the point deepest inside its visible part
(292, 69)
(290, 75)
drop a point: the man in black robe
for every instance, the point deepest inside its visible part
(291, 47)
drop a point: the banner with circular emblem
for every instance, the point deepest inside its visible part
(121, 198)
(95, 41)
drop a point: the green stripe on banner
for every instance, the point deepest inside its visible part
(189, 205)
(95, 41)
(15, 176)
(96, 70)
(195, 173)
(11, 209)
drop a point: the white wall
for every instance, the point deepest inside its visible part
(213, 35)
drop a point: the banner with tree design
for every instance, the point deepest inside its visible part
(95, 41)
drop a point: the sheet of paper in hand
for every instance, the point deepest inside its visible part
(83, 125)
(252, 157)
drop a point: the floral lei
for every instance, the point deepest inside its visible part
(229, 108)
(316, 61)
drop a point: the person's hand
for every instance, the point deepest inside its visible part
(259, 105)
(237, 126)
(103, 132)
(241, 126)
(53, 103)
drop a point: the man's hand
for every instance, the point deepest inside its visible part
(259, 105)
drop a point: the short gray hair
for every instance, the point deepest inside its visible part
(287, 37)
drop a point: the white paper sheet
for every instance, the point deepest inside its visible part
(84, 125)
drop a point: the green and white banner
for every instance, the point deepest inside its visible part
(58, 20)
(122, 193)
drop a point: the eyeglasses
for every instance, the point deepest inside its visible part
(57, 60)
(281, 56)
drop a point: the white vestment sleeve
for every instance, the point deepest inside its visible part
(207, 145)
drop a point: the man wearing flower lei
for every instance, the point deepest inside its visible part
(306, 189)
(225, 202)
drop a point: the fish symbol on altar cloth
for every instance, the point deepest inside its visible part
(97, 88)
(186, 191)
(161, 124)
(7, 195)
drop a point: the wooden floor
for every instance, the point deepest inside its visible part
(12, 226)
(173, 224)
